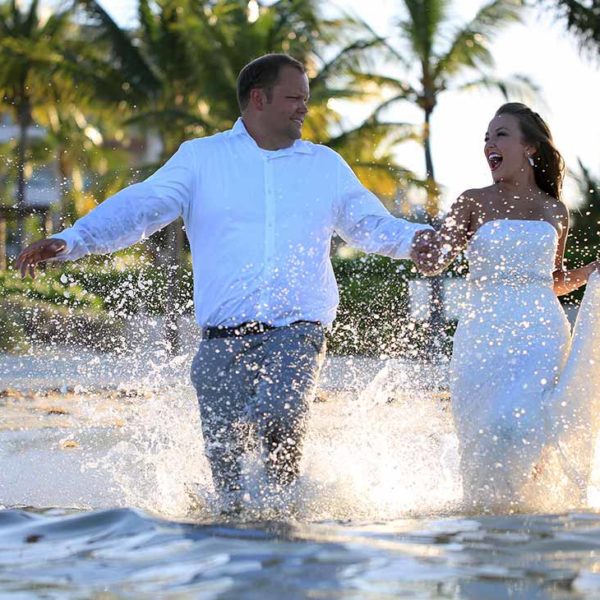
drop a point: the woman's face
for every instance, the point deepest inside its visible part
(505, 150)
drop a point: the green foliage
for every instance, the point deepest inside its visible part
(584, 238)
(48, 288)
(130, 291)
(36, 321)
(583, 243)
(374, 313)
(119, 293)
(80, 305)
(53, 309)
(13, 337)
(582, 19)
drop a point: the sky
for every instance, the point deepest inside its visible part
(539, 48)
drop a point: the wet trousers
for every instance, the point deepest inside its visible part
(257, 387)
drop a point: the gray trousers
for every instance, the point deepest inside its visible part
(257, 384)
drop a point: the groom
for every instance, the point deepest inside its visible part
(260, 207)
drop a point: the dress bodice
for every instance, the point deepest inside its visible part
(513, 252)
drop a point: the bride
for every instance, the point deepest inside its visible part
(525, 393)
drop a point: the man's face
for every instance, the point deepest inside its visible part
(285, 107)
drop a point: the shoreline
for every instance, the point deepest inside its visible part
(65, 369)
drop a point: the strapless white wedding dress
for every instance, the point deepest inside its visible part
(525, 393)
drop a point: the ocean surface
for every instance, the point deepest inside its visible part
(124, 553)
(106, 494)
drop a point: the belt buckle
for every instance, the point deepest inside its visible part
(249, 328)
(254, 327)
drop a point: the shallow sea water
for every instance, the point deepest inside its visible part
(123, 553)
(106, 494)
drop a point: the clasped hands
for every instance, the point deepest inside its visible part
(425, 251)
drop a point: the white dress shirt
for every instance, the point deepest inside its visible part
(259, 224)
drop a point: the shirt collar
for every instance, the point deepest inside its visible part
(299, 146)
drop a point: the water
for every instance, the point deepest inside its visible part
(107, 495)
(125, 553)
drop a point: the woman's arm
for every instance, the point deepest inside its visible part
(568, 280)
(452, 236)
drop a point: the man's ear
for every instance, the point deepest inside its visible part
(258, 98)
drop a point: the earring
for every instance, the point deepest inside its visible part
(530, 160)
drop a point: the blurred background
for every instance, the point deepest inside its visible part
(96, 95)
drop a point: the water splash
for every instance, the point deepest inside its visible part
(380, 444)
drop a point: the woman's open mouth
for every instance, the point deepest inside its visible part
(494, 160)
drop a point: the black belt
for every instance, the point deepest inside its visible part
(248, 328)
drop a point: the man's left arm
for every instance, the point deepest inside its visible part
(364, 223)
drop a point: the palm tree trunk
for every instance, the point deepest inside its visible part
(23, 121)
(173, 254)
(436, 305)
(433, 196)
(65, 169)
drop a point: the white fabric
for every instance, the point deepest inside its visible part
(514, 420)
(259, 224)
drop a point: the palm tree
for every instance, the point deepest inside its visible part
(48, 71)
(30, 59)
(194, 50)
(446, 58)
(369, 147)
(582, 19)
(81, 141)
(442, 57)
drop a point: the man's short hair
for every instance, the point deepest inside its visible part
(263, 72)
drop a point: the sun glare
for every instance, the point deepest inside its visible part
(253, 11)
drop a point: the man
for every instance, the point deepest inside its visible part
(260, 207)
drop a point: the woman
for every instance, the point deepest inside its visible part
(524, 393)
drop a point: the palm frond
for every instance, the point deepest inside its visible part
(125, 54)
(422, 27)
(371, 128)
(516, 87)
(589, 186)
(170, 116)
(347, 58)
(470, 45)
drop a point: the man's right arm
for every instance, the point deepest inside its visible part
(132, 214)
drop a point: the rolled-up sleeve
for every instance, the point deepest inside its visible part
(135, 212)
(364, 223)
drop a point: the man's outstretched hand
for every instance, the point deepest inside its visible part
(425, 251)
(38, 252)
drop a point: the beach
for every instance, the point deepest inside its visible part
(107, 495)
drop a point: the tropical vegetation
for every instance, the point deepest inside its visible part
(92, 99)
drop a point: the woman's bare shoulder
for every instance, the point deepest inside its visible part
(474, 198)
(477, 194)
